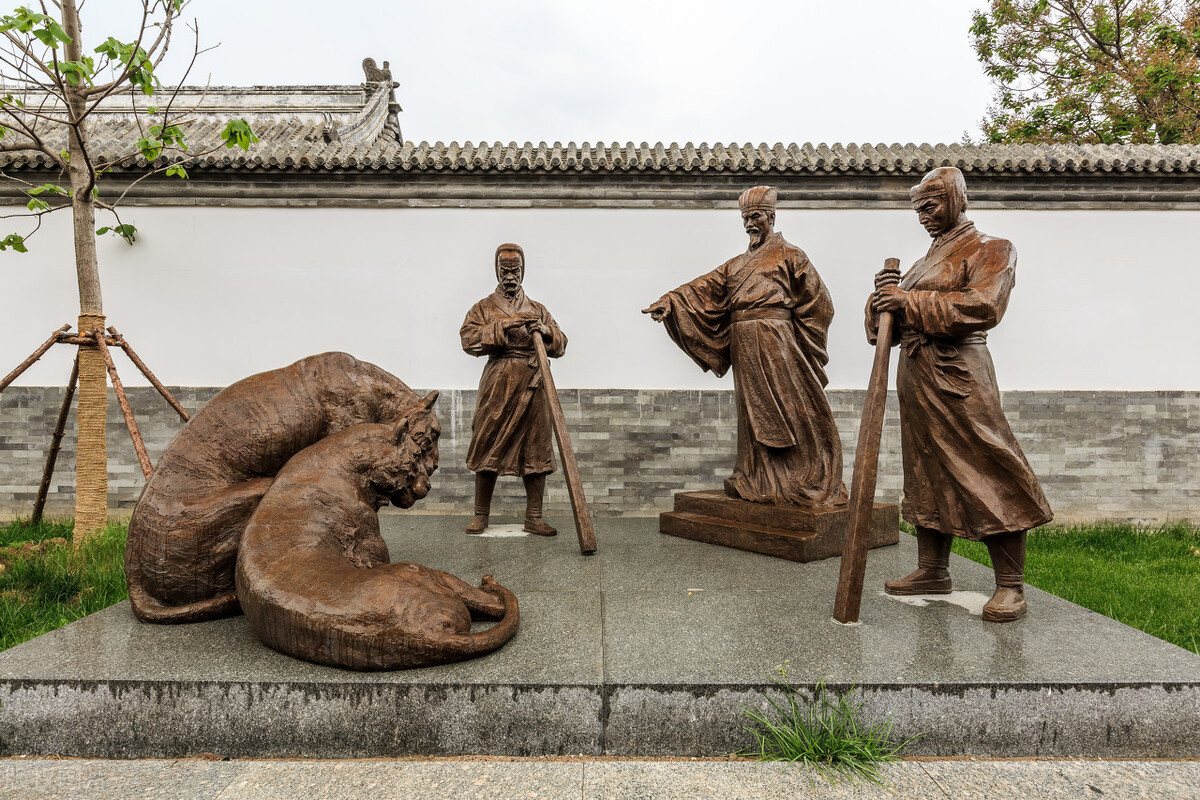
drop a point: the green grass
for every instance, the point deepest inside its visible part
(826, 734)
(46, 587)
(1146, 577)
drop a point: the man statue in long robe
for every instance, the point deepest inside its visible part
(964, 473)
(766, 313)
(510, 434)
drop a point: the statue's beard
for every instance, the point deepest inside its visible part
(757, 238)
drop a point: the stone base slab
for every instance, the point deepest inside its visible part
(654, 646)
(797, 534)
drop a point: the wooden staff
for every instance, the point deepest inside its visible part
(583, 520)
(866, 463)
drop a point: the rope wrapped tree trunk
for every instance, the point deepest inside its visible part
(91, 414)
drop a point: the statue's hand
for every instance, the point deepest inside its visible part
(517, 321)
(888, 298)
(659, 309)
(887, 277)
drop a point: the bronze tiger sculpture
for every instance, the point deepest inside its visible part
(313, 572)
(185, 530)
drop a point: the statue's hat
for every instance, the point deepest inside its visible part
(758, 197)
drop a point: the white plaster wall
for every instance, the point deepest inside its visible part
(1104, 300)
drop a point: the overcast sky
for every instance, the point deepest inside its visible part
(863, 71)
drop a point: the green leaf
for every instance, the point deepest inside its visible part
(237, 133)
(42, 27)
(78, 72)
(37, 204)
(150, 148)
(177, 169)
(126, 232)
(15, 241)
(136, 60)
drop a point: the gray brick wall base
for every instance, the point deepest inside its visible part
(1100, 455)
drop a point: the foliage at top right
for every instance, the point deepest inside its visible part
(1091, 71)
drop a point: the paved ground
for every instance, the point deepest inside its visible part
(42, 779)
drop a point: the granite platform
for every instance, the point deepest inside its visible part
(653, 646)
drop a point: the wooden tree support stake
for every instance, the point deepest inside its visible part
(866, 463)
(137, 362)
(130, 422)
(583, 518)
(60, 427)
(93, 339)
(29, 362)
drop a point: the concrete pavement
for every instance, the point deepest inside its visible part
(589, 779)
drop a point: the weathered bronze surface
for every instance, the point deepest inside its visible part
(766, 313)
(791, 532)
(964, 473)
(185, 529)
(510, 434)
(313, 572)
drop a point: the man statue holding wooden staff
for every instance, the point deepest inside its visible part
(964, 473)
(510, 434)
(766, 313)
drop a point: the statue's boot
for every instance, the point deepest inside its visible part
(1008, 561)
(535, 487)
(485, 484)
(932, 575)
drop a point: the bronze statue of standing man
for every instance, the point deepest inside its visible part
(964, 473)
(510, 434)
(766, 313)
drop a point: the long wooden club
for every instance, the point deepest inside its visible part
(866, 464)
(579, 507)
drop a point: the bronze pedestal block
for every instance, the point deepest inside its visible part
(791, 532)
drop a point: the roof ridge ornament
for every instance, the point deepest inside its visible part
(377, 77)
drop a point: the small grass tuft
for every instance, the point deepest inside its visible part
(827, 734)
(46, 583)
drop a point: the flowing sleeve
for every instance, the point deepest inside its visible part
(698, 320)
(979, 306)
(557, 345)
(482, 333)
(812, 313)
(872, 324)
(871, 321)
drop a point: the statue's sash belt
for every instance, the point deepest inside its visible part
(751, 314)
(527, 356)
(951, 374)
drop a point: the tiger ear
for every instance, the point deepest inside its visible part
(428, 400)
(399, 429)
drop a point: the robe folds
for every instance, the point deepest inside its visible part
(964, 473)
(510, 433)
(766, 313)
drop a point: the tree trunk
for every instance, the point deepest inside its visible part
(91, 461)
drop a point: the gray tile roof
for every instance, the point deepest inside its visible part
(344, 128)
